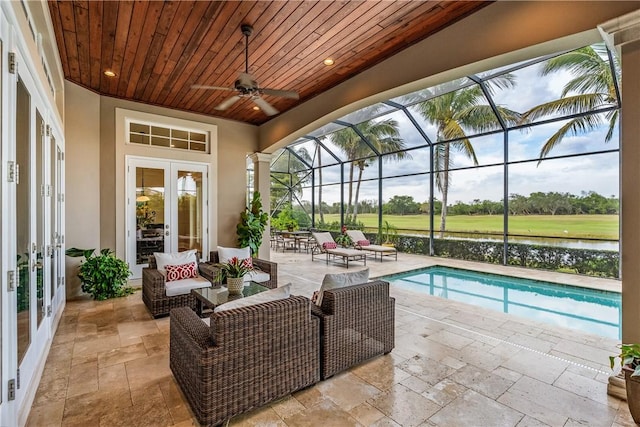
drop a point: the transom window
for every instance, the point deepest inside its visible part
(146, 133)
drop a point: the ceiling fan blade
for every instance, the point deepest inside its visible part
(211, 87)
(278, 92)
(268, 109)
(228, 103)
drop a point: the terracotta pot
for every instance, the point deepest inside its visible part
(633, 393)
(235, 285)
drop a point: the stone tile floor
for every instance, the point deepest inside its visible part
(453, 365)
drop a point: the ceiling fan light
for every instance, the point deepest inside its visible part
(255, 107)
(142, 199)
(109, 73)
(328, 62)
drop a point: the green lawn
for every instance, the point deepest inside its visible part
(585, 226)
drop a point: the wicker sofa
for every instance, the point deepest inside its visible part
(209, 271)
(154, 293)
(248, 357)
(356, 323)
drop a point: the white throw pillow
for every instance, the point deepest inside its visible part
(281, 292)
(225, 254)
(341, 280)
(178, 258)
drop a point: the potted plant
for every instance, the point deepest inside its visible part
(388, 235)
(253, 221)
(343, 238)
(103, 276)
(630, 360)
(233, 271)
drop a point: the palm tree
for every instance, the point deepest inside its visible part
(592, 88)
(383, 135)
(454, 112)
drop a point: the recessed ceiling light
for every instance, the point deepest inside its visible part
(255, 107)
(328, 62)
(109, 73)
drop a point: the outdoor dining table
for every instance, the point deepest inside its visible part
(297, 236)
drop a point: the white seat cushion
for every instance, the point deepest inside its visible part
(341, 280)
(281, 292)
(177, 258)
(225, 254)
(184, 286)
(257, 276)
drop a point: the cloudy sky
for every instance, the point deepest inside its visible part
(595, 172)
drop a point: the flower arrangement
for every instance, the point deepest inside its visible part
(234, 268)
(343, 238)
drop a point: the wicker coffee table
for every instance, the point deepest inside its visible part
(209, 298)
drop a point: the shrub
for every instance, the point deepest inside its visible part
(103, 276)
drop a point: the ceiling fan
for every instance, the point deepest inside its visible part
(246, 85)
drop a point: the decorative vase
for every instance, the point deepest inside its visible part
(633, 393)
(235, 285)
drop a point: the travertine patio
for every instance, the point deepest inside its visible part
(453, 365)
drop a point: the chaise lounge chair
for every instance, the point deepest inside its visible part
(360, 241)
(326, 245)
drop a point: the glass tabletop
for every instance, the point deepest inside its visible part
(213, 297)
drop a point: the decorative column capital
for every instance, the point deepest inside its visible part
(621, 30)
(260, 157)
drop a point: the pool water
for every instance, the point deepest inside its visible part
(593, 311)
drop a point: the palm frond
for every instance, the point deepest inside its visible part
(566, 106)
(572, 127)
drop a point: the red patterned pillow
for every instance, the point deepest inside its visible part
(329, 245)
(182, 271)
(363, 243)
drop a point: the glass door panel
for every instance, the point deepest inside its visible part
(150, 213)
(189, 199)
(55, 231)
(23, 218)
(40, 219)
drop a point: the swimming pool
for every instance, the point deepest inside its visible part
(593, 311)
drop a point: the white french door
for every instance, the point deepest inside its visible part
(32, 228)
(166, 209)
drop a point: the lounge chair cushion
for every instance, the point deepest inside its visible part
(278, 293)
(340, 280)
(177, 258)
(184, 286)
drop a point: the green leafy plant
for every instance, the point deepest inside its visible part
(284, 220)
(103, 276)
(629, 356)
(388, 234)
(235, 267)
(343, 238)
(253, 221)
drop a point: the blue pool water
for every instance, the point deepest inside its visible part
(593, 311)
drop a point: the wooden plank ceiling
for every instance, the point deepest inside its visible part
(158, 49)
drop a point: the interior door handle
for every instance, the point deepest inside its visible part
(35, 264)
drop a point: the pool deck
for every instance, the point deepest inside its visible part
(453, 364)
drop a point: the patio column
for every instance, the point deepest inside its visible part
(262, 183)
(624, 34)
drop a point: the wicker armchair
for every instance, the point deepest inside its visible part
(154, 293)
(208, 271)
(248, 357)
(356, 324)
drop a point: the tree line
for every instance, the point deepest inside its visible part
(538, 203)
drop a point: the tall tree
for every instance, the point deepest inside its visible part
(592, 88)
(383, 135)
(454, 112)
